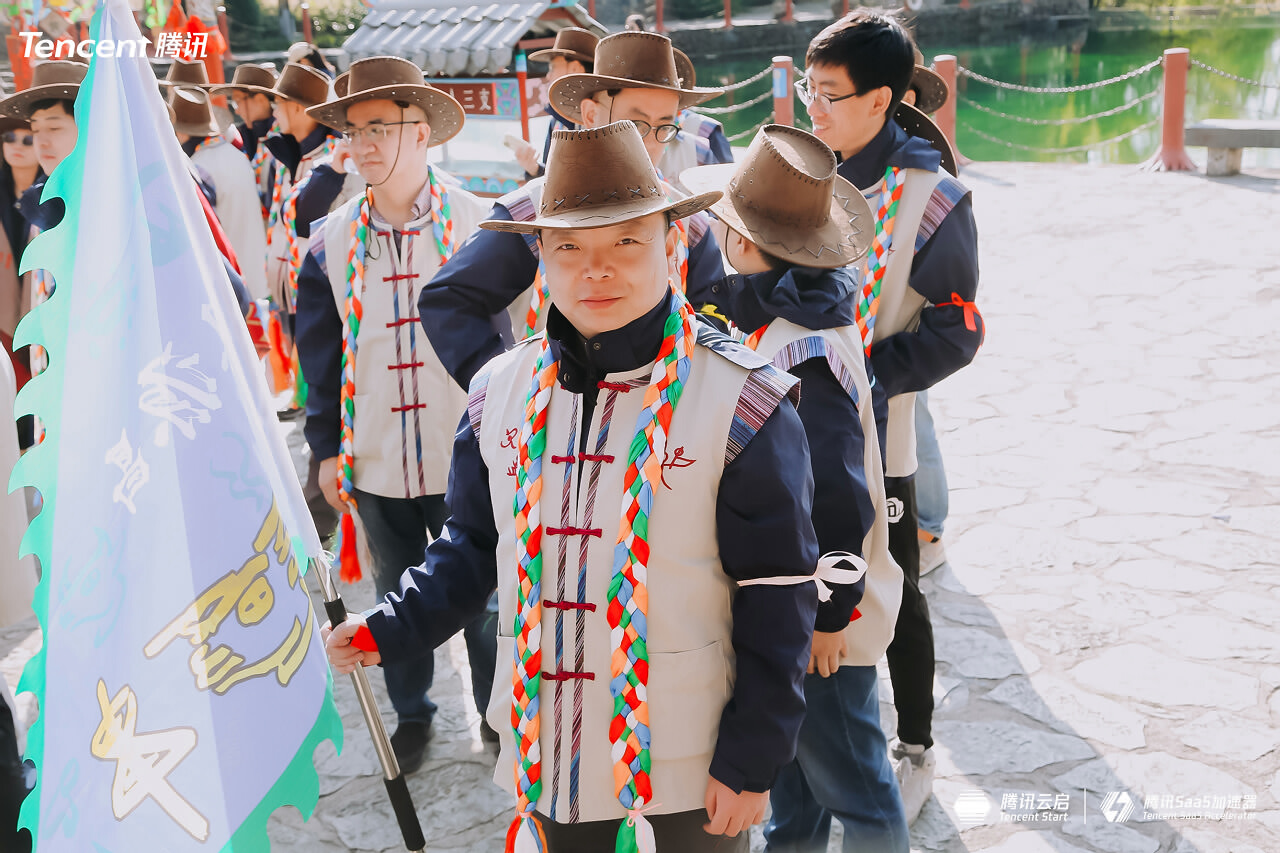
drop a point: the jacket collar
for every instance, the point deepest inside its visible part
(807, 296)
(585, 361)
(892, 146)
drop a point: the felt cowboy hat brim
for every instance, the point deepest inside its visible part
(19, 105)
(444, 114)
(569, 91)
(615, 214)
(550, 53)
(931, 90)
(918, 124)
(8, 123)
(838, 243)
(228, 88)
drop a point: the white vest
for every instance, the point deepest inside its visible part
(692, 665)
(899, 309)
(404, 399)
(870, 633)
(278, 241)
(238, 209)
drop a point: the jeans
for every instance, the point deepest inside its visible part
(399, 530)
(931, 476)
(841, 768)
(910, 655)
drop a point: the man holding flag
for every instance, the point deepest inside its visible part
(180, 686)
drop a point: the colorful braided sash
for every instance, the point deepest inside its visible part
(878, 258)
(628, 593)
(357, 249)
(264, 165)
(289, 216)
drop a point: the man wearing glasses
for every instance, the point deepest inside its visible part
(635, 79)
(919, 325)
(381, 411)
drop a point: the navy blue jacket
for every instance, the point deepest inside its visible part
(945, 263)
(842, 510)
(288, 150)
(558, 122)
(762, 525)
(489, 271)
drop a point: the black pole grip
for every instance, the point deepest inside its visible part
(336, 611)
(410, 829)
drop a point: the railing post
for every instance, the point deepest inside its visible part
(657, 17)
(306, 23)
(1172, 155)
(945, 65)
(728, 14)
(522, 80)
(784, 105)
(789, 13)
(591, 9)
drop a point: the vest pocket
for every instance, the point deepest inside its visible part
(687, 693)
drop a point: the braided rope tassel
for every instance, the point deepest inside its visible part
(277, 196)
(525, 835)
(682, 254)
(538, 301)
(878, 259)
(628, 591)
(441, 217)
(261, 158)
(289, 215)
(348, 559)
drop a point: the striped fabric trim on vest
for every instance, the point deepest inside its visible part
(475, 399)
(762, 393)
(946, 195)
(816, 346)
(698, 226)
(520, 205)
(316, 248)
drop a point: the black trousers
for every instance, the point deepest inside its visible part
(910, 655)
(681, 832)
(13, 788)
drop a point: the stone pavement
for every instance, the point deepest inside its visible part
(1108, 620)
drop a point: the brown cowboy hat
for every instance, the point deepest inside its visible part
(390, 78)
(600, 177)
(186, 73)
(931, 89)
(303, 84)
(918, 124)
(58, 79)
(571, 43)
(626, 61)
(8, 123)
(341, 84)
(684, 68)
(191, 112)
(786, 197)
(254, 78)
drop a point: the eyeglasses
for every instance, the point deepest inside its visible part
(11, 137)
(662, 133)
(808, 97)
(375, 132)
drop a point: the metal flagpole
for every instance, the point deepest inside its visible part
(397, 789)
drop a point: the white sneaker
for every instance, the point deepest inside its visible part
(932, 555)
(914, 766)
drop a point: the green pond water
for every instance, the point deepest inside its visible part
(1088, 56)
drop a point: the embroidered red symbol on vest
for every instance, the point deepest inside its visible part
(675, 459)
(510, 440)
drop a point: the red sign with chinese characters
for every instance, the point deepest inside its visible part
(477, 99)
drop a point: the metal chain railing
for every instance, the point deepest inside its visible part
(1236, 77)
(742, 84)
(1060, 90)
(1058, 122)
(719, 111)
(741, 136)
(1073, 149)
